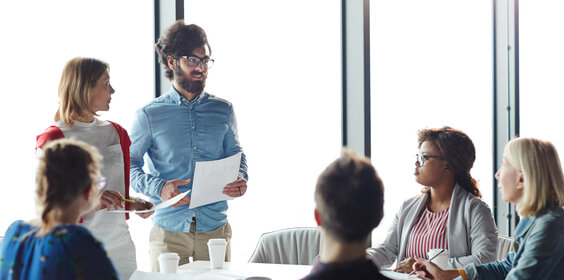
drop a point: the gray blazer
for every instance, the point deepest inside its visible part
(471, 231)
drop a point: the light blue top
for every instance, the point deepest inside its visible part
(176, 133)
(539, 251)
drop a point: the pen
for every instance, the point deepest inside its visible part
(430, 260)
(126, 200)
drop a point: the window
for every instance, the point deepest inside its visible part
(431, 66)
(279, 63)
(39, 37)
(540, 65)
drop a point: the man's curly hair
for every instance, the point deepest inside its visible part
(179, 40)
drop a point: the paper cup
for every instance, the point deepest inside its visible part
(217, 247)
(168, 262)
(441, 259)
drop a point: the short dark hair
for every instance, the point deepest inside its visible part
(350, 198)
(458, 151)
(179, 40)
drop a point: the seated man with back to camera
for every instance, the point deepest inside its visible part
(350, 203)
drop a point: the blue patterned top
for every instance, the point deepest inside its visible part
(67, 252)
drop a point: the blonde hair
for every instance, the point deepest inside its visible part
(542, 174)
(79, 77)
(67, 168)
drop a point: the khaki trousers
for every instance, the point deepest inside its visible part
(185, 244)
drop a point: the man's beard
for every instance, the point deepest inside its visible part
(194, 87)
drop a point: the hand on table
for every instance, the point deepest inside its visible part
(428, 270)
(405, 266)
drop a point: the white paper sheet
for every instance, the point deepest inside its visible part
(161, 205)
(397, 275)
(210, 177)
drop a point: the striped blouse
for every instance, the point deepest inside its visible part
(428, 233)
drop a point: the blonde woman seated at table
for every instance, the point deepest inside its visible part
(54, 246)
(531, 177)
(448, 215)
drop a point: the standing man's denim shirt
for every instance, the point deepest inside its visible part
(538, 251)
(176, 133)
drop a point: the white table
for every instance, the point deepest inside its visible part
(397, 275)
(201, 270)
(244, 270)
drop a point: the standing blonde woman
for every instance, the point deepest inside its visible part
(84, 90)
(54, 246)
(531, 177)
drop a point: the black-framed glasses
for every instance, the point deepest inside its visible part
(422, 158)
(101, 183)
(194, 61)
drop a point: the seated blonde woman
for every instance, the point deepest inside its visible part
(531, 177)
(54, 246)
(448, 215)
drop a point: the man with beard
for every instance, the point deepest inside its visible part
(179, 128)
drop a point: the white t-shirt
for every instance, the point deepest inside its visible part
(110, 228)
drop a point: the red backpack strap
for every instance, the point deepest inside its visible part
(51, 133)
(125, 143)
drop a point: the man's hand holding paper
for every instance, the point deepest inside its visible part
(170, 190)
(213, 181)
(236, 188)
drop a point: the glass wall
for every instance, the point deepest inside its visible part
(540, 65)
(38, 38)
(279, 63)
(431, 66)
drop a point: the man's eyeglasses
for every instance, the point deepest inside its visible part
(194, 61)
(422, 158)
(101, 183)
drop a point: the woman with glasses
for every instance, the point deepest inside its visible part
(55, 246)
(84, 90)
(449, 213)
(530, 177)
